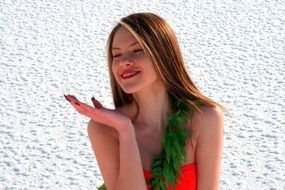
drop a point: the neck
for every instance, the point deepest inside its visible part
(153, 106)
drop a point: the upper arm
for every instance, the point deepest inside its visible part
(209, 147)
(106, 150)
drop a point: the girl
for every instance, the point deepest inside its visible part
(163, 133)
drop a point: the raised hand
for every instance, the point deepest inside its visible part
(100, 114)
(96, 103)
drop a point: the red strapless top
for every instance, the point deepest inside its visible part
(187, 181)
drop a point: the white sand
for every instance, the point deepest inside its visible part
(235, 52)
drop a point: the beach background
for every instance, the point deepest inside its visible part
(235, 53)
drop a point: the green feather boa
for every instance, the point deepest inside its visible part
(166, 165)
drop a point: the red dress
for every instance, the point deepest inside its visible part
(187, 181)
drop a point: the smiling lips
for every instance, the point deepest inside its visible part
(129, 73)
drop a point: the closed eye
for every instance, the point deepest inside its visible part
(137, 50)
(117, 55)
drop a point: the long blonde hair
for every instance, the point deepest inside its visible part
(161, 46)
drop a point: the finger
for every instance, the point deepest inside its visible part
(96, 103)
(88, 111)
(86, 107)
(66, 98)
(99, 115)
(73, 98)
(74, 102)
(82, 108)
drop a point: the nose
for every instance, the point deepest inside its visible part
(126, 60)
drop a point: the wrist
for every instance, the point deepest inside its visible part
(126, 131)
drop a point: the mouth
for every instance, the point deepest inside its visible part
(128, 75)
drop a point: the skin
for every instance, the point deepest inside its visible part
(124, 145)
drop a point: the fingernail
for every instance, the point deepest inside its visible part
(92, 98)
(67, 98)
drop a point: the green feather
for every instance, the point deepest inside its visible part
(166, 165)
(102, 187)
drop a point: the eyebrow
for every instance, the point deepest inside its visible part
(132, 44)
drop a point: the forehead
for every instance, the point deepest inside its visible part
(123, 37)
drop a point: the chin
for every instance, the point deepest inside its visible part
(130, 90)
(133, 88)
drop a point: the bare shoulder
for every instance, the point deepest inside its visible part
(209, 121)
(208, 125)
(92, 126)
(210, 113)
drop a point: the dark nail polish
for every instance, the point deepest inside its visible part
(67, 98)
(92, 98)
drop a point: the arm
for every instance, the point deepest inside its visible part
(209, 148)
(118, 158)
(113, 139)
(105, 148)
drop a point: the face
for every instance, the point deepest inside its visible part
(131, 68)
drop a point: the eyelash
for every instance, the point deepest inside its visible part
(134, 51)
(118, 55)
(137, 50)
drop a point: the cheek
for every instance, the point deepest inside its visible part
(151, 69)
(143, 58)
(154, 74)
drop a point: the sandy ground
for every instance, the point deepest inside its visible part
(235, 52)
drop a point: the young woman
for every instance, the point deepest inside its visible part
(163, 133)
